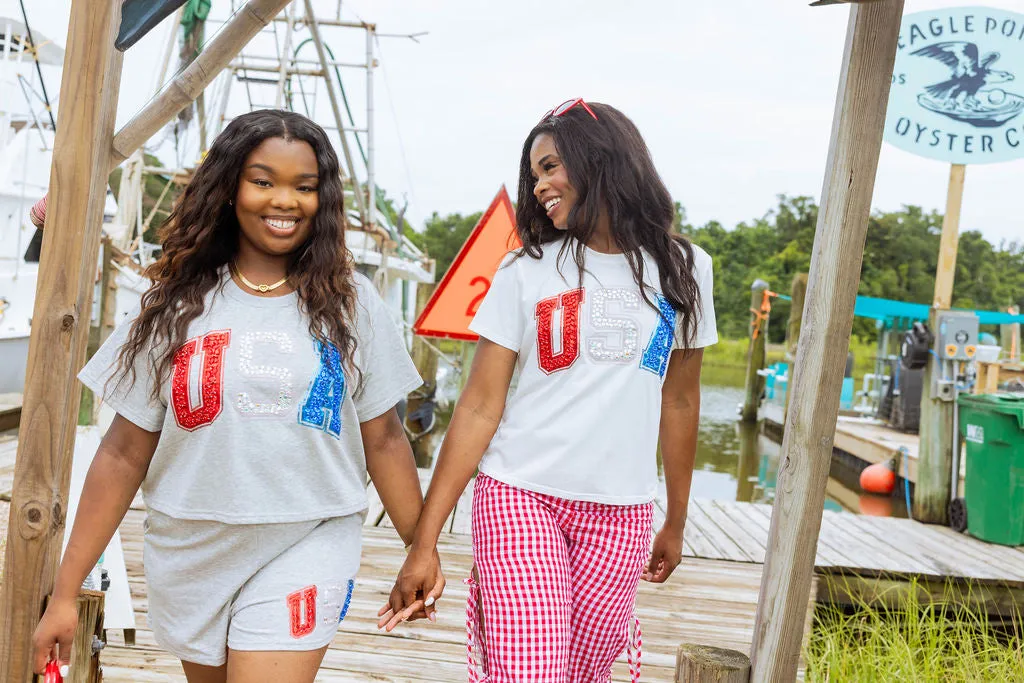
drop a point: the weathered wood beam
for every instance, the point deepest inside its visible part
(187, 86)
(85, 660)
(894, 592)
(60, 325)
(798, 294)
(756, 352)
(838, 252)
(706, 664)
(935, 455)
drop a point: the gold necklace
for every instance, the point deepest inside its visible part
(263, 289)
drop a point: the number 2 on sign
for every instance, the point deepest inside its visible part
(474, 304)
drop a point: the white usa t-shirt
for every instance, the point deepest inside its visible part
(583, 421)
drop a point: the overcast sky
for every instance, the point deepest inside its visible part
(735, 99)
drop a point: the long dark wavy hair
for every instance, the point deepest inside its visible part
(611, 169)
(201, 236)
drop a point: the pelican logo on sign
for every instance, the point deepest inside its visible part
(958, 86)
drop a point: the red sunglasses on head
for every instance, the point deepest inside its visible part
(567, 105)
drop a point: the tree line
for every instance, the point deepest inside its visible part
(900, 257)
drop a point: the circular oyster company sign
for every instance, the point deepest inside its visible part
(958, 86)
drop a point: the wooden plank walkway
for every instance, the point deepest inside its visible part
(855, 544)
(705, 601)
(709, 601)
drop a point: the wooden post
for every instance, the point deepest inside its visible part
(838, 252)
(87, 404)
(798, 292)
(755, 352)
(426, 363)
(987, 382)
(108, 304)
(950, 241)
(98, 333)
(84, 666)
(60, 325)
(935, 455)
(705, 664)
(108, 291)
(1009, 336)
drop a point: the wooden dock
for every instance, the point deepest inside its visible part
(707, 600)
(863, 439)
(710, 599)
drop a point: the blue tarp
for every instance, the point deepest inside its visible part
(888, 309)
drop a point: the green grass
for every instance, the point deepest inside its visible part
(915, 640)
(732, 353)
(728, 358)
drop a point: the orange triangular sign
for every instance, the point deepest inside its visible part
(457, 298)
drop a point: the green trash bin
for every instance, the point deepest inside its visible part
(992, 428)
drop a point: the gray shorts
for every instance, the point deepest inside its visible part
(214, 586)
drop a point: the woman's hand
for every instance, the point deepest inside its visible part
(53, 636)
(666, 554)
(418, 586)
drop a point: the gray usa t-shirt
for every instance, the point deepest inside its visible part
(259, 422)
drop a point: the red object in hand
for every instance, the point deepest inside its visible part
(37, 214)
(52, 673)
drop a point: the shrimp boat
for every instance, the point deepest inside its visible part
(272, 71)
(26, 141)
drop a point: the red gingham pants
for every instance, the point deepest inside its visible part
(555, 585)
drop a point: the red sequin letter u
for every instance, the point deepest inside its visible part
(569, 304)
(211, 380)
(302, 611)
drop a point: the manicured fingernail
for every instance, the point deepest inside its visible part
(64, 671)
(432, 616)
(429, 601)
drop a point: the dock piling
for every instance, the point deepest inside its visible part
(706, 664)
(755, 351)
(816, 384)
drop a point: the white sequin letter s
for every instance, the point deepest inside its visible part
(248, 368)
(614, 337)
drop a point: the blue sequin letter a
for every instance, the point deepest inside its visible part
(655, 358)
(322, 407)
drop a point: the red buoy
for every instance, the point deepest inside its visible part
(878, 478)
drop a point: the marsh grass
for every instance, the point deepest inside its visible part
(915, 635)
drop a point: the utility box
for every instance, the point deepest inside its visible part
(956, 341)
(956, 335)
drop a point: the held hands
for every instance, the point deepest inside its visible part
(52, 638)
(418, 586)
(666, 554)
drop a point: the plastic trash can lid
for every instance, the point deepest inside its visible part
(1007, 403)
